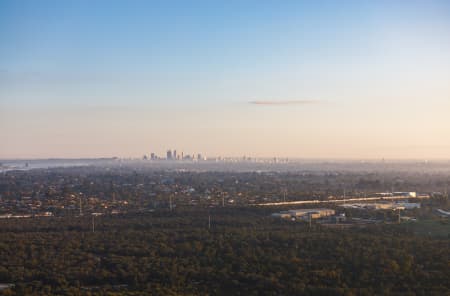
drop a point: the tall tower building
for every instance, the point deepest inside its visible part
(169, 154)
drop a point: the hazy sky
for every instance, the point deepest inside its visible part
(322, 79)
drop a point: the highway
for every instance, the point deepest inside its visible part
(352, 199)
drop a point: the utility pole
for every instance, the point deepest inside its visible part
(93, 223)
(81, 209)
(223, 199)
(345, 193)
(392, 191)
(170, 202)
(209, 221)
(284, 194)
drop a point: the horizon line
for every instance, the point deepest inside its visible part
(232, 157)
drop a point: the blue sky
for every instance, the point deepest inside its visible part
(122, 78)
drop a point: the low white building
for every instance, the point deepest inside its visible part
(383, 205)
(305, 213)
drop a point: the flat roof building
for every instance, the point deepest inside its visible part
(305, 213)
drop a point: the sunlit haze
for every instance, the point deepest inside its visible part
(299, 79)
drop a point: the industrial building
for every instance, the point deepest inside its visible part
(397, 194)
(383, 206)
(305, 214)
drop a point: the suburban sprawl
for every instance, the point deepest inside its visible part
(140, 227)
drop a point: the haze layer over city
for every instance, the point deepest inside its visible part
(224, 147)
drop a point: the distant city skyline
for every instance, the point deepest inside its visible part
(296, 79)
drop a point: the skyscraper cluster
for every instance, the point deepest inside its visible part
(174, 156)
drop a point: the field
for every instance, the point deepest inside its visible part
(436, 228)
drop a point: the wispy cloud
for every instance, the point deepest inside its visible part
(283, 102)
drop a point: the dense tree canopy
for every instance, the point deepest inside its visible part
(245, 252)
